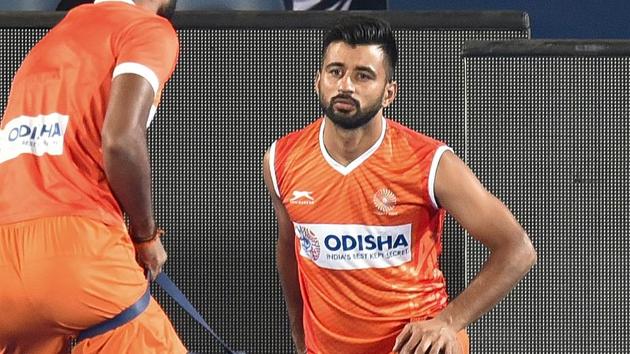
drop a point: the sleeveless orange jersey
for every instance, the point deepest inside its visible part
(368, 236)
(51, 162)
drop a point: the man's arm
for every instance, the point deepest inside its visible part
(511, 257)
(286, 262)
(126, 162)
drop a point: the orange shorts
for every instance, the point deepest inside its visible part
(61, 275)
(384, 346)
(464, 341)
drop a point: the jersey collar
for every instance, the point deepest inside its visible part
(345, 170)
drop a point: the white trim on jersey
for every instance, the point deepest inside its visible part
(130, 2)
(433, 171)
(345, 170)
(272, 168)
(152, 112)
(138, 69)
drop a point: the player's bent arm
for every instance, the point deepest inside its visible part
(286, 262)
(489, 221)
(125, 154)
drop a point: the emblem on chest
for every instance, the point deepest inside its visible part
(385, 202)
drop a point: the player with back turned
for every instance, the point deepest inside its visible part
(73, 157)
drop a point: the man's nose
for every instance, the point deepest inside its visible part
(345, 84)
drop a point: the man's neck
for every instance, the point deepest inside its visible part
(345, 146)
(149, 5)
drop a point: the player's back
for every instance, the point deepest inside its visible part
(51, 161)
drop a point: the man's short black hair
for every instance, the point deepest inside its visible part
(356, 30)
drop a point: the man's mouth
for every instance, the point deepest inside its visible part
(344, 104)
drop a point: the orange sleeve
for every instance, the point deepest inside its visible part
(149, 48)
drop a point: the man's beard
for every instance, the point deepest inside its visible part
(167, 10)
(350, 121)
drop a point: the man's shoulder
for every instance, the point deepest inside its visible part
(112, 16)
(309, 131)
(401, 131)
(297, 144)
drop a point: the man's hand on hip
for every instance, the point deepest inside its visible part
(427, 337)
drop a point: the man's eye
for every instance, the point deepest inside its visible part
(335, 72)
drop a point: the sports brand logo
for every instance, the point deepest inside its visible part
(350, 246)
(385, 202)
(308, 242)
(302, 198)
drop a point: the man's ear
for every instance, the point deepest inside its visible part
(391, 90)
(317, 82)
